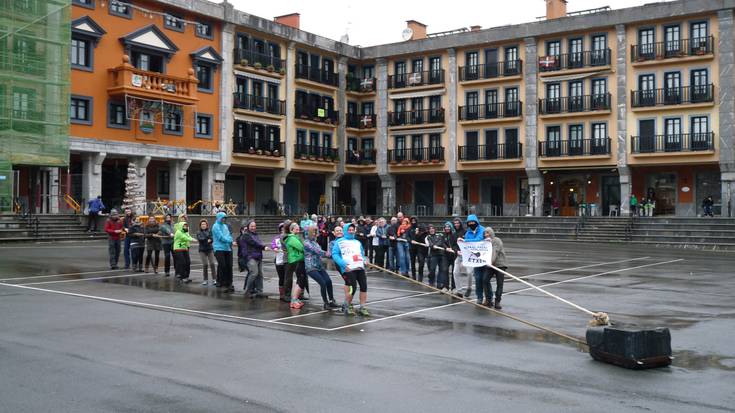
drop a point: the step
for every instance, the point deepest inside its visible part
(685, 239)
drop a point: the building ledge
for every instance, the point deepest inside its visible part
(499, 79)
(673, 60)
(683, 106)
(567, 115)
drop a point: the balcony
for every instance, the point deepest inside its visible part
(434, 77)
(594, 58)
(684, 142)
(259, 147)
(358, 121)
(363, 158)
(581, 147)
(416, 117)
(317, 114)
(490, 70)
(673, 96)
(414, 155)
(245, 57)
(676, 49)
(259, 104)
(315, 153)
(495, 152)
(357, 85)
(126, 79)
(316, 74)
(574, 104)
(488, 111)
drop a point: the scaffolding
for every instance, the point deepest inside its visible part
(34, 82)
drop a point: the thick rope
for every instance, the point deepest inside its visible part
(504, 314)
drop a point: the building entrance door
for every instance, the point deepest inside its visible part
(570, 196)
(424, 195)
(491, 197)
(610, 193)
(263, 193)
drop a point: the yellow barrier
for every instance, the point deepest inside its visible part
(72, 203)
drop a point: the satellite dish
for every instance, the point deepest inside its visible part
(407, 33)
(345, 38)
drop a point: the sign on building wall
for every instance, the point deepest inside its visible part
(218, 191)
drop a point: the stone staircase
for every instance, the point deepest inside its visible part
(604, 229)
(46, 228)
(698, 233)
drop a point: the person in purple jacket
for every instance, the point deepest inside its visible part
(250, 249)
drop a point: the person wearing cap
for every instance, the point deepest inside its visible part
(127, 221)
(166, 233)
(114, 230)
(222, 243)
(250, 248)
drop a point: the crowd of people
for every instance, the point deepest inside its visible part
(401, 244)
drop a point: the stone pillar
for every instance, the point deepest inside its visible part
(53, 190)
(92, 175)
(208, 179)
(388, 188)
(726, 89)
(626, 185)
(387, 181)
(290, 130)
(451, 150)
(356, 191)
(341, 141)
(279, 183)
(457, 185)
(535, 178)
(141, 167)
(177, 178)
(331, 183)
(624, 172)
(227, 88)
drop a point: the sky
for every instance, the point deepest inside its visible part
(381, 21)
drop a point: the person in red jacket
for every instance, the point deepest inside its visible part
(115, 232)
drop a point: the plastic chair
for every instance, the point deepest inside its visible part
(613, 211)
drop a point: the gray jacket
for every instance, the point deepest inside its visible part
(498, 253)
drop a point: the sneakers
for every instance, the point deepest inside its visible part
(348, 310)
(333, 304)
(296, 304)
(480, 301)
(363, 311)
(187, 280)
(497, 305)
(205, 282)
(467, 293)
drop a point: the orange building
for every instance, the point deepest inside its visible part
(145, 90)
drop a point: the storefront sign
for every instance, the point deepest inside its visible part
(685, 189)
(136, 80)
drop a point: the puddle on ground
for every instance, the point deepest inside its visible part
(690, 360)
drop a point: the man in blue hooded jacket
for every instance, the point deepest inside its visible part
(348, 254)
(476, 232)
(222, 243)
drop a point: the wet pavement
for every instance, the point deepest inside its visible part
(75, 336)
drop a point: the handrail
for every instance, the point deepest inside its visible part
(72, 203)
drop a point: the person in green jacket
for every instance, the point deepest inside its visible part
(633, 204)
(295, 253)
(182, 261)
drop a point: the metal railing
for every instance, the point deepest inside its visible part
(316, 74)
(317, 114)
(590, 58)
(361, 121)
(431, 154)
(360, 85)
(498, 110)
(673, 96)
(498, 151)
(316, 152)
(684, 142)
(572, 104)
(672, 49)
(416, 117)
(247, 57)
(257, 146)
(581, 147)
(490, 70)
(360, 157)
(259, 104)
(402, 80)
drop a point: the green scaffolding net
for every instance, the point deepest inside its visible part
(34, 81)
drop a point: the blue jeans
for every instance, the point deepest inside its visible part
(482, 283)
(391, 258)
(404, 258)
(325, 284)
(126, 252)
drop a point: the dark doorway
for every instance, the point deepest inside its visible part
(194, 189)
(424, 195)
(610, 194)
(291, 196)
(370, 197)
(491, 197)
(113, 183)
(263, 194)
(316, 190)
(647, 138)
(235, 189)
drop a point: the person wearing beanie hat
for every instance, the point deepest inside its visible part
(114, 230)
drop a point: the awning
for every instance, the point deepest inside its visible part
(416, 131)
(255, 119)
(547, 79)
(257, 77)
(419, 94)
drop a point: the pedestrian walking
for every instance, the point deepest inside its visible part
(182, 240)
(349, 256)
(166, 233)
(115, 232)
(222, 243)
(152, 244)
(707, 204)
(250, 248)
(313, 255)
(206, 252)
(94, 208)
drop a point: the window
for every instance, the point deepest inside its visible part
(173, 22)
(599, 139)
(553, 48)
(400, 143)
(148, 62)
(435, 149)
(700, 88)
(553, 98)
(204, 29)
(314, 141)
(121, 8)
(172, 122)
(368, 108)
(646, 43)
(672, 40)
(203, 126)
(511, 54)
(204, 75)
(116, 116)
(512, 148)
(301, 138)
(81, 53)
(163, 181)
(417, 66)
(326, 140)
(575, 52)
(472, 101)
(417, 147)
(698, 32)
(672, 128)
(435, 70)
(646, 95)
(599, 43)
(576, 100)
(368, 72)
(472, 69)
(700, 133)
(599, 54)
(672, 87)
(80, 110)
(576, 137)
(23, 103)
(84, 3)
(553, 141)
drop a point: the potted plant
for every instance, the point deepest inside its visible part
(312, 158)
(282, 71)
(257, 65)
(251, 150)
(276, 153)
(270, 68)
(267, 153)
(244, 62)
(303, 157)
(259, 152)
(434, 160)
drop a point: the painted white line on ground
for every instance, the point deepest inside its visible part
(582, 267)
(32, 277)
(594, 275)
(162, 307)
(369, 302)
(511, 292)
(137, 274)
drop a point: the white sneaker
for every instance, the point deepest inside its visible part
(205, 282)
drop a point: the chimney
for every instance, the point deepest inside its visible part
(475, 28)
(556, 9)
(419, 29)
(291, 20)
